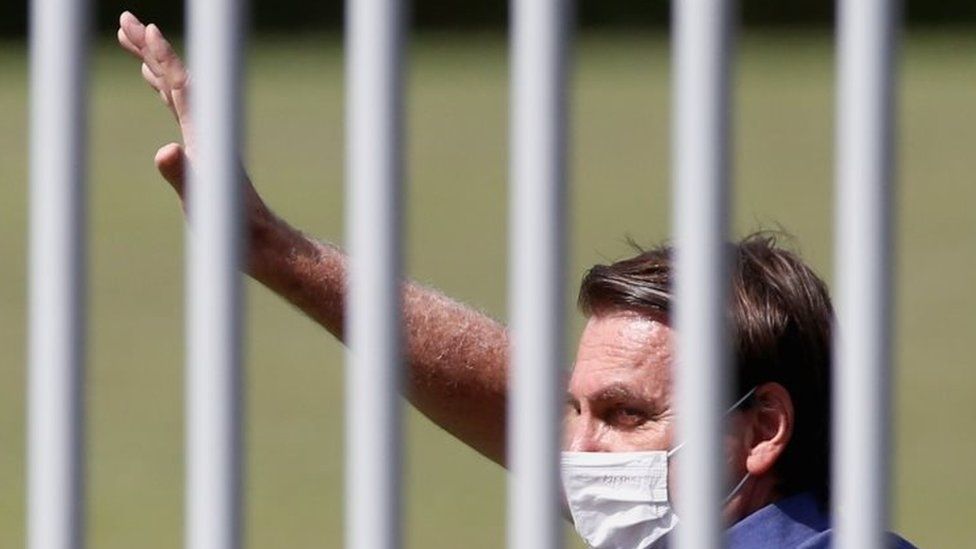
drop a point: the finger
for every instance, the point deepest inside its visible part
(181, 106)
(156, 83)
(165, 57)
(135, 33)
(153, 80)
(133, 29)
(171, 162)
(128, 45)
(150, 58)
(153, 67)
(175, 77)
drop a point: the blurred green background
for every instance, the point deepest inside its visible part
(456, 235)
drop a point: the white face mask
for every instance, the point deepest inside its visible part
(619, 500)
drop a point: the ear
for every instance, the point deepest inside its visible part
(768, 426)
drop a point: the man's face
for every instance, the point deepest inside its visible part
(619, 400)
(619, 397)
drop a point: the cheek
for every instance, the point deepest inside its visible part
(592, 435)
(672, 488)
(570, 430)
(650, 437)
(736, 445)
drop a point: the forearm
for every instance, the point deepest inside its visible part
(456, 356)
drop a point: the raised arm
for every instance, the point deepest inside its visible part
(457, 357)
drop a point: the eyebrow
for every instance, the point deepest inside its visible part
(614, 391)
(618, 391)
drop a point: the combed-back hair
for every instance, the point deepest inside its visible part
(780, 319)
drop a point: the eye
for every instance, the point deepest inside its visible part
(627, 417)
(572, 408)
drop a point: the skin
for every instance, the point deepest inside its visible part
(456, 356)
(620, 400)
(619, 395)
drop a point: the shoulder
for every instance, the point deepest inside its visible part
(824, 540)
(797, 521)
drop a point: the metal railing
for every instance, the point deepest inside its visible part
(375, 40)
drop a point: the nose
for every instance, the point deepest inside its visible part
(583, 434)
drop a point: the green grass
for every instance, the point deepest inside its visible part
(456, 240)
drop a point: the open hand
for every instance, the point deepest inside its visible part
(163, 70)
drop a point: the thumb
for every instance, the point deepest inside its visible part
(171, 162)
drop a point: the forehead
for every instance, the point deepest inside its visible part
(623, 349)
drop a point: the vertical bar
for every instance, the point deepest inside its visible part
(864, 265)
(537, 247)
(374, 121)
(55, 464)
(214, 299)
(703, 38)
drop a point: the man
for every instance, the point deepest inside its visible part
(619, 402)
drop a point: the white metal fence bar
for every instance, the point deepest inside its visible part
(55, 471)
(700, 142)
(537, 242)
(536, 272)
(374, 39)
(214, 299)
(864, 265)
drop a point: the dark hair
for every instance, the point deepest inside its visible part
(780, 321)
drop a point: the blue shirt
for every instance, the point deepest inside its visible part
(795, 522)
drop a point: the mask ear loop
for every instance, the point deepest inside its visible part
(735, 490)
(742, 400)
(731, 409)
(675, 449)
(747, 476)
